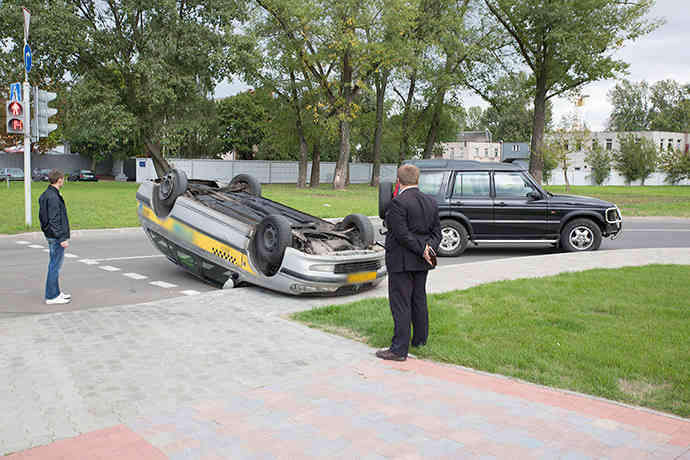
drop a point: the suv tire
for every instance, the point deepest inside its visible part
(454, 238)
(245, 183)
(271, 237)
(362, 225)
(385, 197)
(581, 235)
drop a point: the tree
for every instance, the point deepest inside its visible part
(599, 161)
(631, 106)
(676, 165)
(568, 138)
(670, 109)
(567, 44)
(159, 59)
(636, 159)
(244, 124)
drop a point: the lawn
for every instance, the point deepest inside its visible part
(621, 334)
(650, 200)
(108, 204)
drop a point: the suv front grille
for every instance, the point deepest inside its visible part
(354, 267)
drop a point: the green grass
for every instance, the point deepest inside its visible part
(621, 334)
(108, 204)
(652, 200)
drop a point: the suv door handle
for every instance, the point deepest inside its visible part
(501, 203)
(460, 203)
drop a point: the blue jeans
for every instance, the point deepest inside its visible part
(57, 255)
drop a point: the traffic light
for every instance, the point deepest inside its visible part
(15, 117)
(43, 112)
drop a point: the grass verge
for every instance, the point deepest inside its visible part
(621, 334)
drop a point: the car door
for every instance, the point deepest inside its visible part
(471, 196)
(516, 214)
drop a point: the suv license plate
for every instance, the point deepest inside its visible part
(361, 277)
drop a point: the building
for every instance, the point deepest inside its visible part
(472, 145)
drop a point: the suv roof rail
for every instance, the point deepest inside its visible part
(463, 164)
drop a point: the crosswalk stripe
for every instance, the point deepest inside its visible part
(135, 276)
(163, 284)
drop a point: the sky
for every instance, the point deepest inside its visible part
(660, 55)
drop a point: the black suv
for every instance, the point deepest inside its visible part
(501, 203)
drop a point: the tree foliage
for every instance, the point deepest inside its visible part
(636, 159)
(676, 165)
(599, 161)
(638, 106)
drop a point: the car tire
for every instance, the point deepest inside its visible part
(363, 226)
(581, 235)
(454, 238)
(161, 210)
(245, 183)
(172, 185)
(385, 197)
(271, 237)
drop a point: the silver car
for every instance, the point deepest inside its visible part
(230, 234)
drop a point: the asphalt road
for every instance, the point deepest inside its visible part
(121, 267)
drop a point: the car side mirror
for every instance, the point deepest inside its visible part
(534, 195)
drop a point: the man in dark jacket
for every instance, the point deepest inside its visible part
(414, 233)
(52, 214)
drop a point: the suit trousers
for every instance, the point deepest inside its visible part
(407, 298)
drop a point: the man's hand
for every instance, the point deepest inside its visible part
(64, 244)
(428, 255)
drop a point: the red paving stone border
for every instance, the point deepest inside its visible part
(677, 429)
(115, 443)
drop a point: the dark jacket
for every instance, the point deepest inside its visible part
(413, 222)
(52, 213)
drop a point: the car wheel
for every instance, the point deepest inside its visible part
(161, 210)
(581, 235)
(245, 183)
(271, 237)
(173, 184)
(454, 238)
(385, 197)
(362, 225)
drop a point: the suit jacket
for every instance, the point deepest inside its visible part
(413, 222)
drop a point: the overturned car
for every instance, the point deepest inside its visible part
(230, 234)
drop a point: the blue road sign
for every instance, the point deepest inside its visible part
(27, 57)
(16, 92)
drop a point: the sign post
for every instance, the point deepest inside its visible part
(27, 121)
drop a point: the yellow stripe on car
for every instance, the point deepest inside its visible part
(199, 240)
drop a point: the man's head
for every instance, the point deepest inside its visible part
(56, 178)
(408, 175)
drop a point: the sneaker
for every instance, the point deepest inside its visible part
(65, 296)
(57, 300)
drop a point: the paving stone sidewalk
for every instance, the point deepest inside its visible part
(225, 375)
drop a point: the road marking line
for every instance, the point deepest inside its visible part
(163, 284)
(129, 258)
(23, 242)
(71, 256)
(36, 246)
(135, 276)
(190, 292)
(656, 230)
(89, 261)
(46, 250)
(109, 268)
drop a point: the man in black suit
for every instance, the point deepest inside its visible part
(414, 233)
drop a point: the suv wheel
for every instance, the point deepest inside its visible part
(581, 235)
(454, 239)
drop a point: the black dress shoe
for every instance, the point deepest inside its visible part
(420, 344)
(387, 354)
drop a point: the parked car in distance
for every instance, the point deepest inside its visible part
(501, 203)
(40, 174)
(11, 174)
(83, 175)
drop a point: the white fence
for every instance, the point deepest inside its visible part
(584, 177)
(267, 172)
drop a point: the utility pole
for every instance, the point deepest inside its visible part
(27, 121)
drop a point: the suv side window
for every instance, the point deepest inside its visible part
(471, 183)
(511, 184)
(431, 182)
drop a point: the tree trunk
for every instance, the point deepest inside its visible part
(315, 166)
(536, 158)
(565, 178)
(302, 169)
(159, 163)
(381, 84)
(435, 123)
(405, 135)
(340, 174)
(93, 164)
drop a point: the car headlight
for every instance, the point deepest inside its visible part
(326, 268)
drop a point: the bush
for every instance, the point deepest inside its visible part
(676, 165)
(600, 161)
(637, 158)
